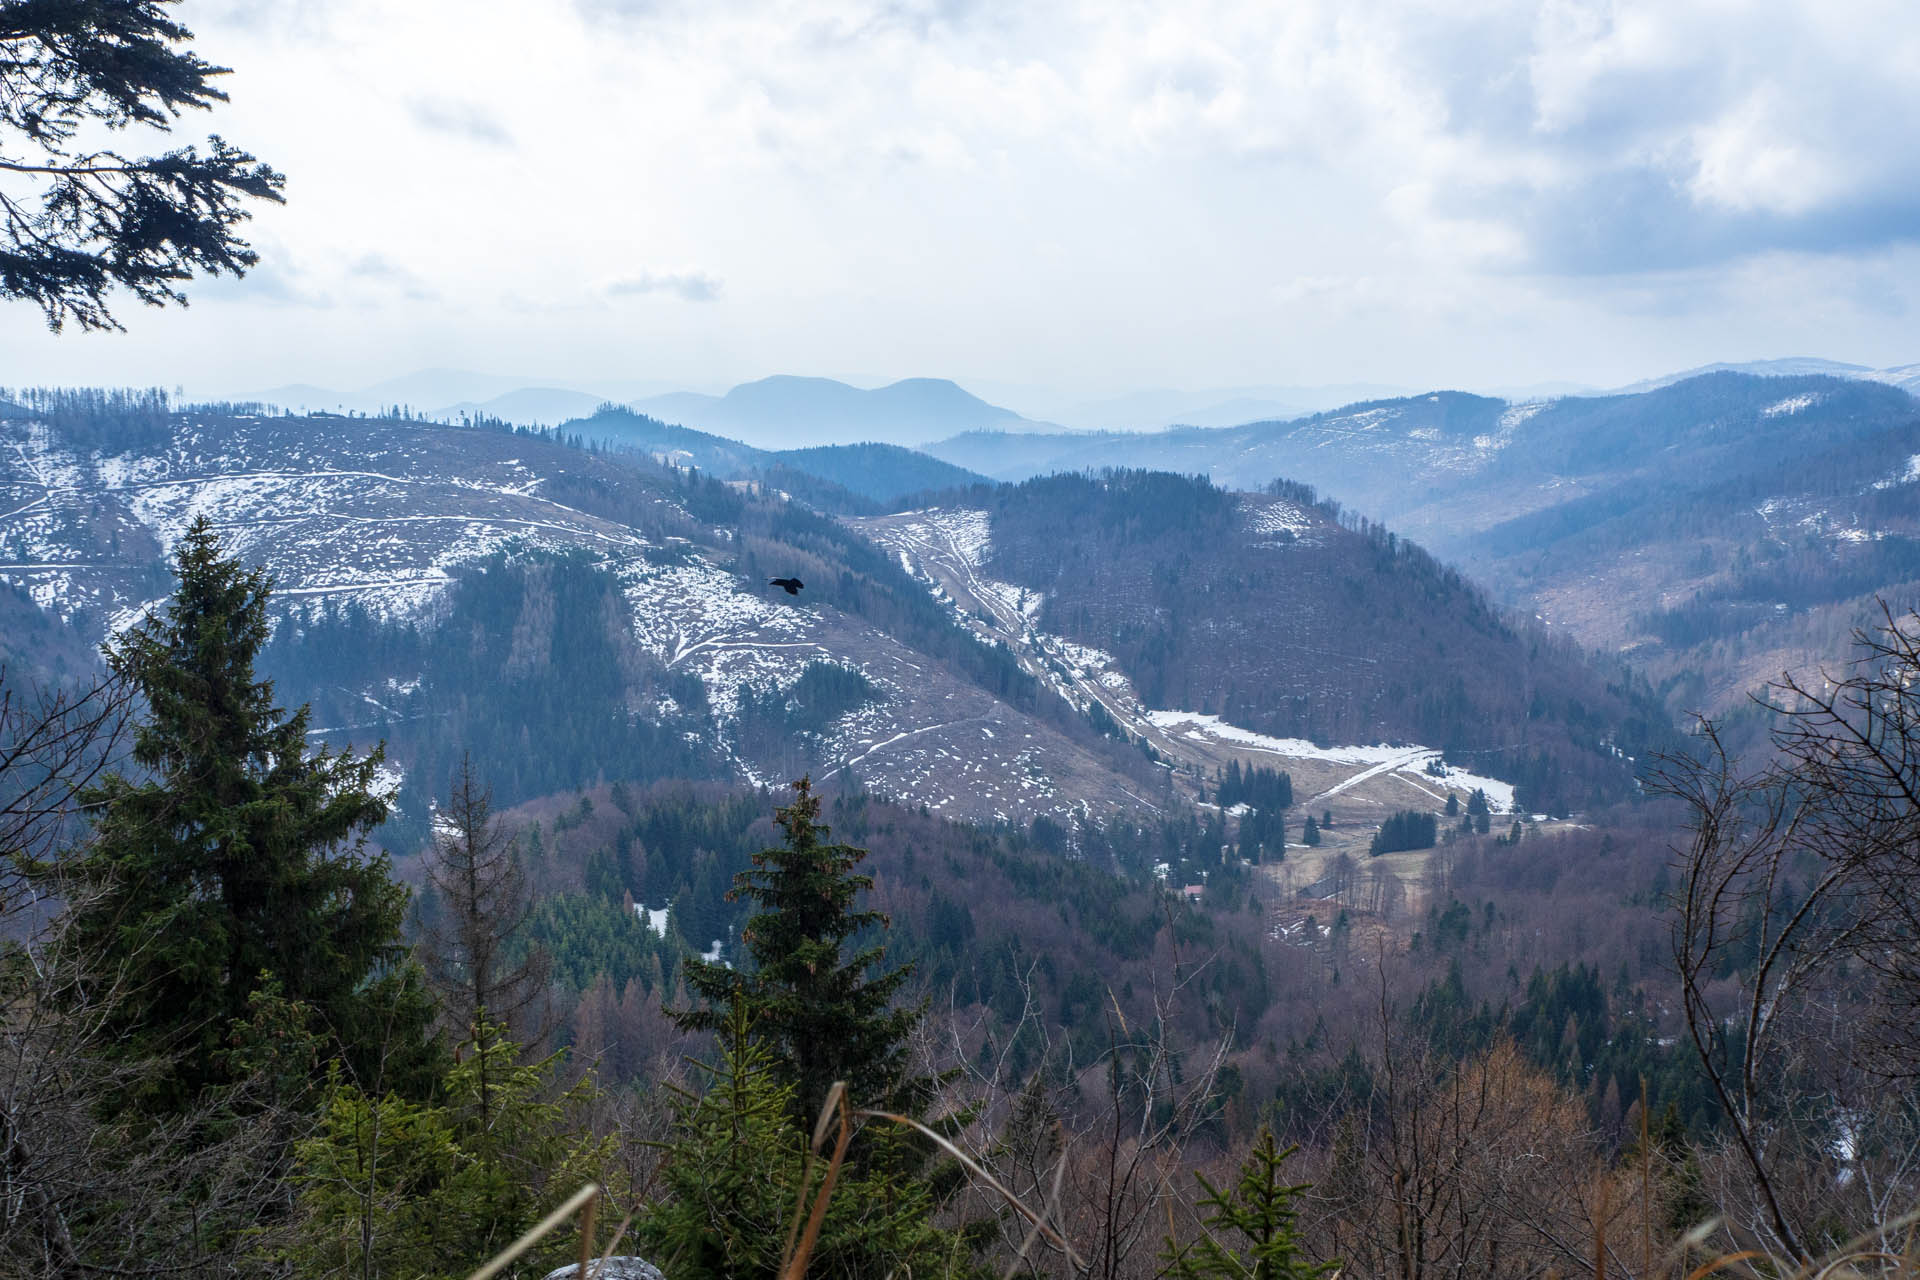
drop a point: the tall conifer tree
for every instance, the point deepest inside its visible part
(235, 853)
(827, 1015)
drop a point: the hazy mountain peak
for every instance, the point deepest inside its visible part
(791, 411)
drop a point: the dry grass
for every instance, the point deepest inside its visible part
(585, 1202)
(1866, 1257)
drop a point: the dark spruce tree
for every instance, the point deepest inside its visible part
(1407, 829)
(233, 861)
(1480, 811)
(82, 217)
(827, 1015)
(1249, 1229)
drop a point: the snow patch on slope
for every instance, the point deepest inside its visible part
(1379, 759)
(1277, 516)
(1511, 419)
(697, 616)
(1908, 476)
(1791, 405)
(963, 538)
(382, 526)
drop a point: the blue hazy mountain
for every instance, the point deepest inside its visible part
(1790, 367)
(787, 412)
(1907, 377)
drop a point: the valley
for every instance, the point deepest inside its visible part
(1222, 757)
(1062, 646)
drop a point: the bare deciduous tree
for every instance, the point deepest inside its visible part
(1474, 1167)
(1101, 1146)
(1797, 882)
(474, 864)
(83, 1191)
(54, 743)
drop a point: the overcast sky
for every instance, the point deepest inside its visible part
(1093, 197)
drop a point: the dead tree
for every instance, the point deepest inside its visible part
(474, 866)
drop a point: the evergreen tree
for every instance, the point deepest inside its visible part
(1407, 829)
(236, 856)
(83, 219)
(399, 1188)
(737, 1166)
(1259, 1209)
(826, 1015)
(1310, 832)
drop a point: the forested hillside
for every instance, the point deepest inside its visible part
(1723, 530)
(1279, 617)
(1094, 1000)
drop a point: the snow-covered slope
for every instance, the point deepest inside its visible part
(384, 516)
(337, 509)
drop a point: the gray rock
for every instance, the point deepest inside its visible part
(611, 1269)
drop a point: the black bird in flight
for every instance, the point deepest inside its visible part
(790, 585)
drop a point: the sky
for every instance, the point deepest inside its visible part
(1086, 197)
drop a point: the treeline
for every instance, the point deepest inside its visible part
(1776, 577)
(1073, 910)
(1405, 830)
(889, 477)
(1255, 786)
(112, 420)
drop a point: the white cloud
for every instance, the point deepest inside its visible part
(688, 286)
(461, 119)
(1090, 192)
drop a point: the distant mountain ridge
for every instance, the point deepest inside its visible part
(1906, 377)
(914, 411)
(787, 412)
(781, 412)
(1721, 527)
(863, 478)
(449, 393)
